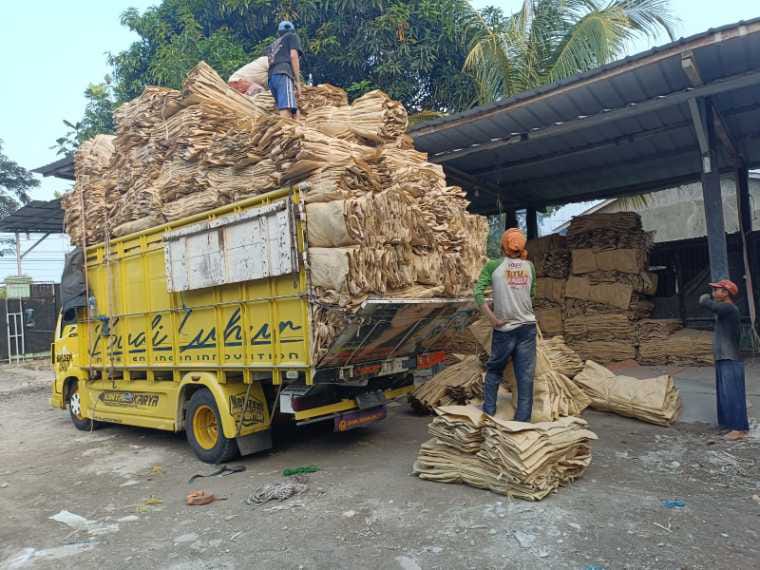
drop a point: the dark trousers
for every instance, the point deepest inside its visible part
(731, 395)
(520, 344)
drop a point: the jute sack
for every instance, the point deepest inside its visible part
(326, 225)
(614, 294)
(550, 320)
(621, 260)
(135, 226)
(551, 289)
(584, 261)
(654, 400)
(427, 268)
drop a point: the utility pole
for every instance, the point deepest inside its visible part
(18, 255)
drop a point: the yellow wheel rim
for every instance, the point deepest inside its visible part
(75, 403)
(204, 427)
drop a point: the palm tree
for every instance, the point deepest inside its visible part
(550, 40)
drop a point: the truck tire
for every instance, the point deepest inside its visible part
(75, 411)
(203, 427)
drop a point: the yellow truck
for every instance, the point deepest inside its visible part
(207, 325)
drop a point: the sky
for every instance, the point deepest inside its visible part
(53, 49)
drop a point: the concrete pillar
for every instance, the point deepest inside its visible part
(531, 217)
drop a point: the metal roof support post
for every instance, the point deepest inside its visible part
(18, 254)
(745, 230)
(702, 117)
(511, 219)
(531, 217)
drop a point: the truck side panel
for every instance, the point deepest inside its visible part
(141, 326)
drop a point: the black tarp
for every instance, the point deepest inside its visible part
(39, 316)
(73, 289)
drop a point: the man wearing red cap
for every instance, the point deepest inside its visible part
(513, 280)
(729, 369)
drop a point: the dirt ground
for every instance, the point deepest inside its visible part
(364, 509)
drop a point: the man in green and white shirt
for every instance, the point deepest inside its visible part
(513, 281)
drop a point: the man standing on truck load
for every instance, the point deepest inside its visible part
(730, 391)
(252, 77)
(285, 69)
(513, 279)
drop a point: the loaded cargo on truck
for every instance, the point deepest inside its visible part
(190, 306)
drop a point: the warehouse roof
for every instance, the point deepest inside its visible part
(36, 217)
(624, 128)
(62, 168)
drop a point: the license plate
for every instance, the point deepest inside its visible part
(368, 400)
(352, 420)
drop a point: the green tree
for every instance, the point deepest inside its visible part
(15, 183)
(413, 49)
(97, 119)
(550, 40)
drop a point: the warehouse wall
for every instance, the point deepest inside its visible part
(678, 213)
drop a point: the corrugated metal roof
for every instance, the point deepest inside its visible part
(621, 129)
(36, 217)
(61, 168)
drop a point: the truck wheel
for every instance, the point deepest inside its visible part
(75, 411)
(203, 427)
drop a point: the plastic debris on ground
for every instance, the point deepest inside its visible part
(304, 470)
(200, 498)
(674, 503)
(281, 491)
(79, 523)
(223, 471)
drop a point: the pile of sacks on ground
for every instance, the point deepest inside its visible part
(381, 219)
(520, 459)
(564, 385)
(517, 459)
(594, 289)
(665, 341)
(554, 393)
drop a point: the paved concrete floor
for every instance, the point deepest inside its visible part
(364, 509)
(697, 388)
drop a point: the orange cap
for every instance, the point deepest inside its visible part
(728, 285)
(513, 243)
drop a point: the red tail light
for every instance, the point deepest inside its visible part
(430, 359)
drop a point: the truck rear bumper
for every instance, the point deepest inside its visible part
(331, 411)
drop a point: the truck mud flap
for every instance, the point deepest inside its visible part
(255, 442)
(384, 329)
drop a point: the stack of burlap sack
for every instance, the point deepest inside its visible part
(653, 400)
(609, 287)
(601, 298)
(664, 341)
(91, 165)
(551, 259)
(554, 393)
(516, 459)
(457, 383)
(381, 220)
